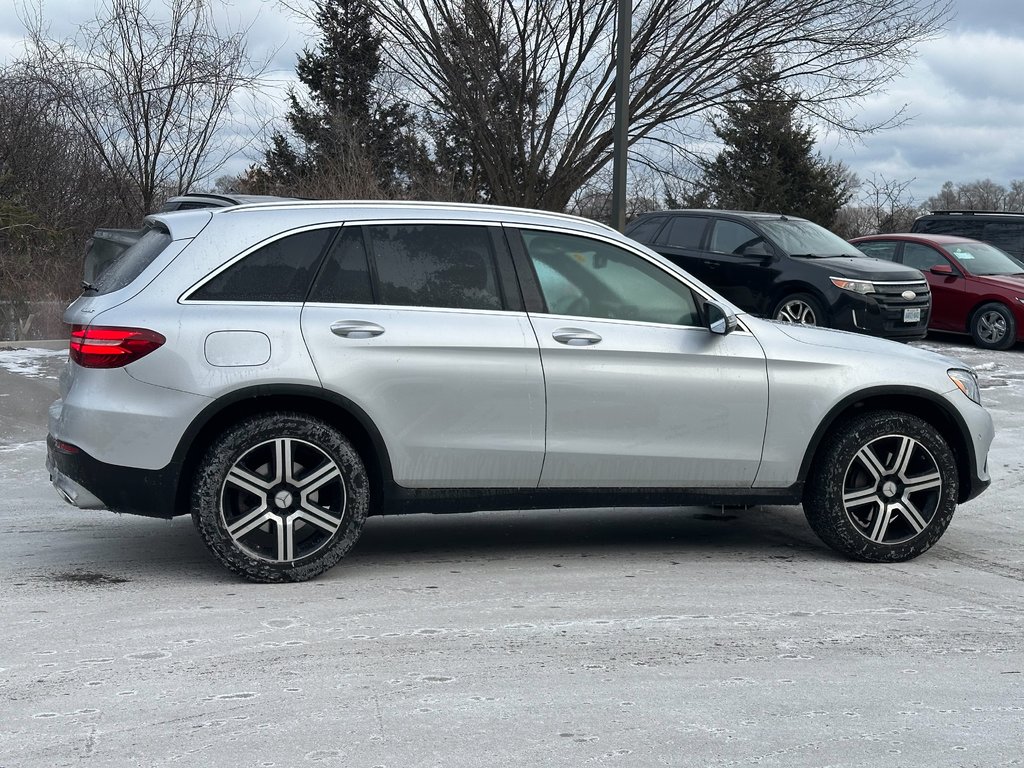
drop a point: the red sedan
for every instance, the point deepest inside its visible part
(976, 288)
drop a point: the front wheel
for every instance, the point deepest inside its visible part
(993, 327)
(280, 497)
(800, 308)
(883, 489)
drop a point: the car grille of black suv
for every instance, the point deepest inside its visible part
(890, 298)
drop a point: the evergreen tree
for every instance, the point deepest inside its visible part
(769, 163)
(347, 138)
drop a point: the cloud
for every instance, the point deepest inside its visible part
(964, 98)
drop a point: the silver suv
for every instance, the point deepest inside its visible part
(282, 371)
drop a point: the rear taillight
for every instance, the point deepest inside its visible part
(111, 347)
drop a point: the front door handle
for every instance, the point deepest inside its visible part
(356, 329)
(576, 337)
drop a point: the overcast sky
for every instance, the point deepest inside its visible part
(964, 94)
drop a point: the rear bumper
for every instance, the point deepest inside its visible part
(88, 483)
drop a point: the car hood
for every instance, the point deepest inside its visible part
(864, 268)
(1013, 283)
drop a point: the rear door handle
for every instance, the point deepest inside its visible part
(356, 329)
(575, 337)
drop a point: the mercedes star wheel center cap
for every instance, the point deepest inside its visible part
(889, 489)
(283, 499)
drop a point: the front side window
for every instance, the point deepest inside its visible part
(735, 238)
(278, 271)
(588, 278)
(435, 265)
(922, 257)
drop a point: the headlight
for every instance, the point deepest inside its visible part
(966, 382)
(857, 286)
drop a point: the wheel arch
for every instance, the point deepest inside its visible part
(924, 404)
(335, 409)
(981, 302)
(791, 288)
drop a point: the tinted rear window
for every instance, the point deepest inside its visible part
(644, 230)
(279, 271)
(130, 264)
(684, 232)
(435, 265)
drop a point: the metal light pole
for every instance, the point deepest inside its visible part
(621, 134)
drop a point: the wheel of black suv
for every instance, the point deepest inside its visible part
(993, 326)
(280, 497)
(800, 308)
(883, 487)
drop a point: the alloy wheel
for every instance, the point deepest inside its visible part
(283, 500)
(892, 489)
(797, 311)
(991, 327)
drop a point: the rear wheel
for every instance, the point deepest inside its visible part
(993, 326)
(800, 308)
(884, 488)
(280, 497)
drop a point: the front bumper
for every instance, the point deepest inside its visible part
(878, 317)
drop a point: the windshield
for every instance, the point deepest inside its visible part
(799, 237)
(985, 259)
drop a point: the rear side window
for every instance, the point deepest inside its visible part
(1008, 235)
(684, 232)
(345, 275)
(879, 250)
(435, 265)
(130, 264)
(279, 271)
(645, 229)
(954, 226)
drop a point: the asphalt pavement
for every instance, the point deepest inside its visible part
(666, 637)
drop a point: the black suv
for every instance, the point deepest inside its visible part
(1003, 230)
(790, 269)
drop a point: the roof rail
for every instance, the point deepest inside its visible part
(408, 205)
(955, 212)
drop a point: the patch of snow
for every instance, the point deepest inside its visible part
(31, 362)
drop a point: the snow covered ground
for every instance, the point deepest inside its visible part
(677, 637)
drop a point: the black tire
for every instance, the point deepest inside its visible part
(280, 497)
(993, 326)
(883, 487)
(801, 309)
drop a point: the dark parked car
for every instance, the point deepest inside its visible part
(790, 269)
(1003, 230)
(976, 288)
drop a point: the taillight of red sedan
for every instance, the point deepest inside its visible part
(111, 347)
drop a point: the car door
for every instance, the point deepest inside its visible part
(740, 265)
(949, 308)
(435, 349)
(639, 392)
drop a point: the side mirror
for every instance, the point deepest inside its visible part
(759, 250)
(942, 269)
(718, 320)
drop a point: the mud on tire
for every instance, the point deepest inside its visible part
(883, 487)
(280, 497)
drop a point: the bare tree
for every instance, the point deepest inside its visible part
(882, 206)
(980, 195)
(551, 62)
(150, 91)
